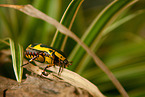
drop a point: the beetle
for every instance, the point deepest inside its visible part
(46, 54)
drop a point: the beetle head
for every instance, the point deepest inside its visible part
(67, 63)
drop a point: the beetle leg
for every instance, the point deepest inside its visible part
(60, 69)
(43, 72)
(32, 59)
(52, 64)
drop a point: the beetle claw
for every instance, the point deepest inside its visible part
(44, 73)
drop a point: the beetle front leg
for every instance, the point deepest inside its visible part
(60, 69)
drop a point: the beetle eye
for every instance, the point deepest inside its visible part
(65, 62)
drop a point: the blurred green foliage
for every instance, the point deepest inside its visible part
(122, 49)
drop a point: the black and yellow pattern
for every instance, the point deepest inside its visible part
(44, 53)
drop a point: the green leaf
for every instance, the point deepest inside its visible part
(5, 25)
(122, 21)
(34, 30)
(86, 58)
(129, 73)
(17, 58)
(67, 20)
(9, 21)
(124, 51)
(13, 21)
(4, 43)
(120, 56)
(96, 29)
(52, 9)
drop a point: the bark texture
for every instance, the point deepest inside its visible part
(36, 86)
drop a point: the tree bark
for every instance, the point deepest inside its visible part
(36, 86)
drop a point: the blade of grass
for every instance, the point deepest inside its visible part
(17, 58)
(120, 56)
(31, 25)
(122, 21)
(67, 20)
(134, 56)
(4, 44)
(4, 41)
(138, 92)
(13, 20)
(86, 58)
(53, 10)
(94, 32)
(30, 10)
(5, 22)
(122, 72)
(129, 73)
